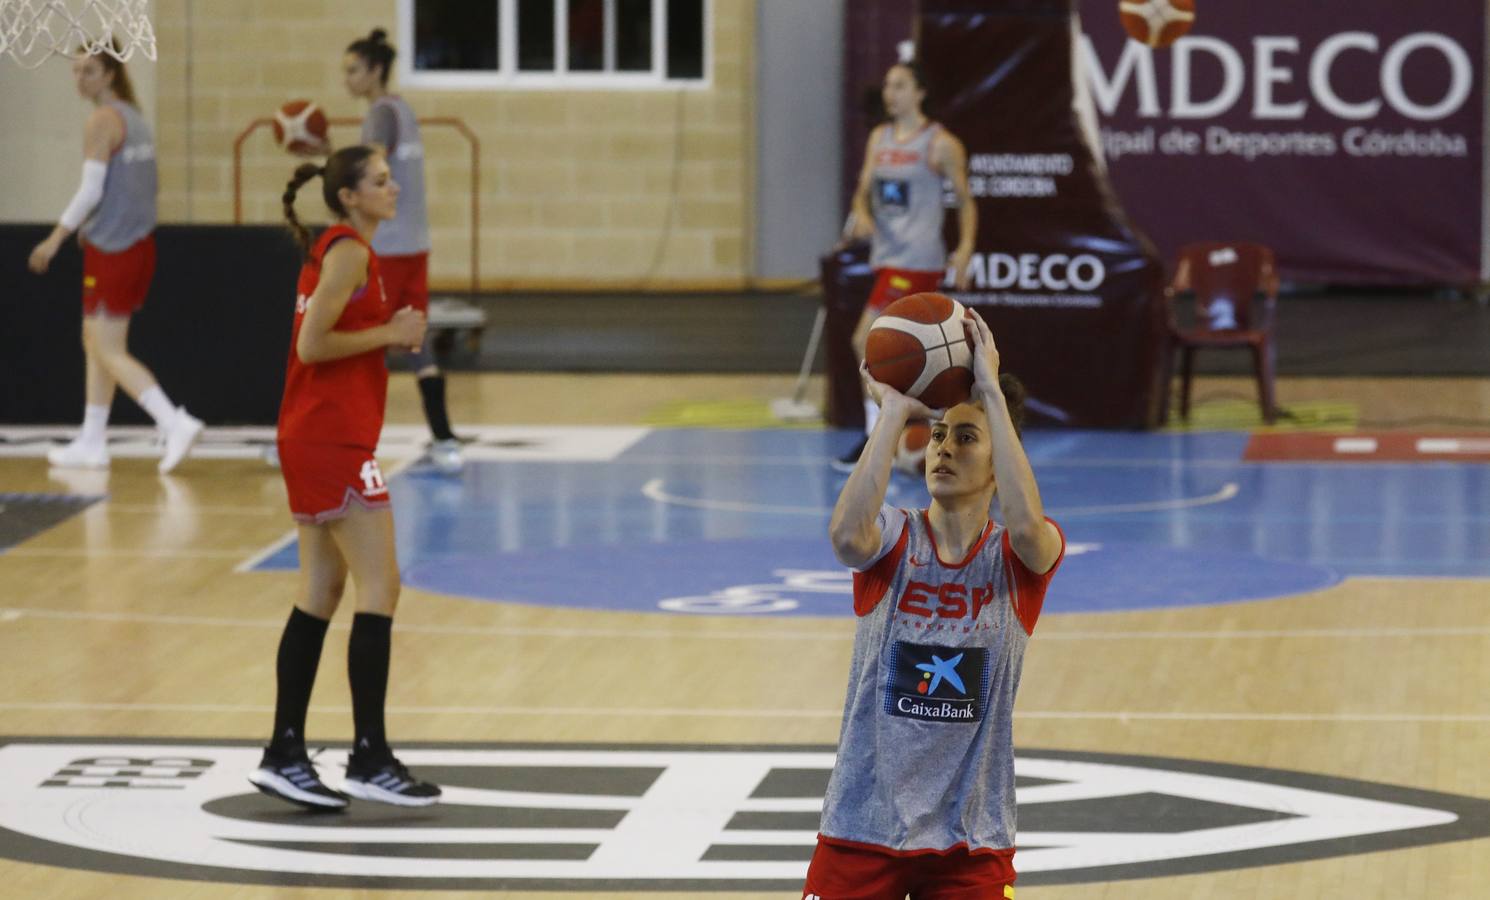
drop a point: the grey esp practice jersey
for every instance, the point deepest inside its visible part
(906, 198)
(126, 214)
(391, 122)
(926, 751)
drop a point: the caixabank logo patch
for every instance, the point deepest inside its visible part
(658, 818)
(937, 684)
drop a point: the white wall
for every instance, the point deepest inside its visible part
(799, 74)
(41, 138)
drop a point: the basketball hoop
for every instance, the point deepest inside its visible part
(32, 31)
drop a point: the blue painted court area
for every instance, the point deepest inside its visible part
(734, 522)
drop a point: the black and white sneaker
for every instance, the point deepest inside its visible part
(388, 782)
(847, 461)
(295, 779)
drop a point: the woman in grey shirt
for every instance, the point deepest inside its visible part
(402, 245)
(113, 212)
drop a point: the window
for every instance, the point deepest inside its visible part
(535, 35)
(456, 36)
(553, 43)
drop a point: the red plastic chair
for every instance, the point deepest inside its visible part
(1235, 288)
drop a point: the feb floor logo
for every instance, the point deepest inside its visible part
(653, 818)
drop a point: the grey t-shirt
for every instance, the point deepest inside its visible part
(392, 123)
(126, 214)
(926, 751)
(906, 199)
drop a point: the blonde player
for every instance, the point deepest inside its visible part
(114, 213)
(921, 799)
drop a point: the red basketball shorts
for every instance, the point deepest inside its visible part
(116, 283)
(325, 481)
(840, 872)
(406, 280)
(892, 284)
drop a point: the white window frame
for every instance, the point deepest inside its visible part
(507, 76)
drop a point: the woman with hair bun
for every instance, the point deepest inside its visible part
(402, 244)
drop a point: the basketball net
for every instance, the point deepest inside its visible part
(33, 31)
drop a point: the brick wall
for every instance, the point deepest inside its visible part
(579, 189)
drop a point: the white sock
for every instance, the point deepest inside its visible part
(95, 425)
(871, 415)
(158, 405)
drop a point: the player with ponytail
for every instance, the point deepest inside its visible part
(336, 387)
(113, 213)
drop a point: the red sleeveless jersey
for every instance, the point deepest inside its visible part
(340, 401)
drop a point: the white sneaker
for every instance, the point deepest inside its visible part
(180, 435)
(270, 454)
(446, 456)
(78, 455)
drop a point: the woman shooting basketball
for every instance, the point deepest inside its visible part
(114, 213)
(336, 386)
(921, 799)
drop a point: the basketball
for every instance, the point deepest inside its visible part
(300, 127)
(918, 347)
(1157, 23)
(910, 453)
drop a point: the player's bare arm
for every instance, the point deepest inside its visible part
(343, 271)
(951, 160)
(102, 133)
(862, 226)
(1035, 540)
(854, 527)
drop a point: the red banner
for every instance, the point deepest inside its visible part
(1348, 136)
(1070, 289)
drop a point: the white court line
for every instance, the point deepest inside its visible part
(653, 490)
(96, 552)
(1373, 718)
(1228, 491)
(1269, 634)
(495, 630)
(814, 634)
(284, 541)
(159, 508)
(724, 713)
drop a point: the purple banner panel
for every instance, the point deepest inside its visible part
(1071, 291)
(1348, 135)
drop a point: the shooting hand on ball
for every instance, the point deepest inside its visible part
(985, 353)
(892, 402)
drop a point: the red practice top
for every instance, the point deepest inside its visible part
(340, 401)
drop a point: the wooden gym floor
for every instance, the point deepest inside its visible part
(130, 620)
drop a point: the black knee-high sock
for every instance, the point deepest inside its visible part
(432, 389)
(295, 673)
(367, 669)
